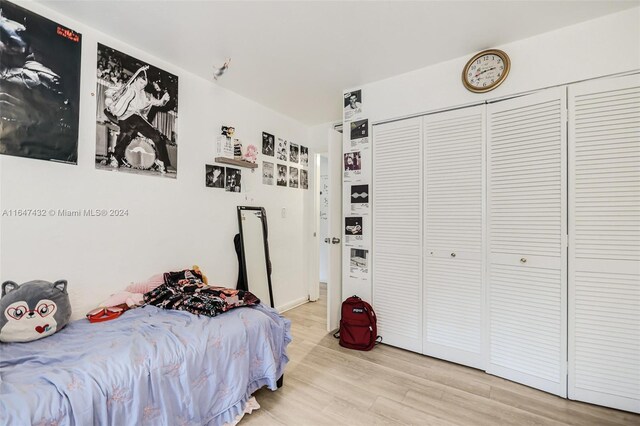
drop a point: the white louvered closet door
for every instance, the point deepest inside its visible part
(604, 250)
(527, 265)
(397, 232)
(454, 145)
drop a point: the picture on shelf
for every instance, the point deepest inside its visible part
(268, 144)
(282, 175)
(136, 116)
(39, 86)
(267, 173)
(304, 179)
(294, 153)
(282, 152)
(233, 179)
(293, 177)
(304, 156)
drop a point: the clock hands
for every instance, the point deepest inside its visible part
(483, 71)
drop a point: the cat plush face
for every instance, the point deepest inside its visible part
(33, 310)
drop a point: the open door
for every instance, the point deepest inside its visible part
(334, 275)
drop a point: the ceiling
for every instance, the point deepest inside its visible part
(297, 57)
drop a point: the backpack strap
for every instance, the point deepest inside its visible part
(337, 334)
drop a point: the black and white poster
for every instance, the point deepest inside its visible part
(282, 175)
(267, 173)
(352, 165)
(360, 199)
(233, 180)
(268, 144)
(359, 263)
(359, 134)
(294, 153)
(352, 105)
(353, 229)
(293, 177)
(304, 156)
(282, 150)
(39, 86)
(136, 117)
(214, 176)
(304, 179)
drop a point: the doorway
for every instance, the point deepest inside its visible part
(327, 284)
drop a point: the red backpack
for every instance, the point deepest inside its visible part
(358, 328)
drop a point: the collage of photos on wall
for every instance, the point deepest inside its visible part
(284, 162)
(356, 187)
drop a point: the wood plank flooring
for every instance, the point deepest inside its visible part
(326, 384)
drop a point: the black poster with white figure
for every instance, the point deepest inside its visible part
(233, 180)
(353, 229)
(359, 134)
(136, 116)
(39, 86)
(268, 144)
(352, 105)
(360, 199)
(282, 175)
(214, 176)
(304, 156)
(294, 153)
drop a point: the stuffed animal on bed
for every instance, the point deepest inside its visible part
(33, 310)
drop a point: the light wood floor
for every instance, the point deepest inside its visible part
(325, 384)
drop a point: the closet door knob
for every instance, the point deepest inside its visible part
(453, 255)
(523, 260)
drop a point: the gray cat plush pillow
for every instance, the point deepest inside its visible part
(33, 310)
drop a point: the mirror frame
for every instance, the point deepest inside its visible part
(265, 237)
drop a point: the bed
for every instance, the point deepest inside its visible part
(148, 367)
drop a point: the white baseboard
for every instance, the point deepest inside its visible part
(292, 304)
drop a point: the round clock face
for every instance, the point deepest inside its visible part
(486, 71)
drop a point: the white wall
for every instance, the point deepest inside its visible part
(172, 223)
(595, 48)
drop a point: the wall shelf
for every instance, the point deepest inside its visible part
(234, 162)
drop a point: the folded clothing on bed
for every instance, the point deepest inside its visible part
(186, 291)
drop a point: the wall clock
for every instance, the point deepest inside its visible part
(486, 70)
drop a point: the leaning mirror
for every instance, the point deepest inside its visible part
(255, 265)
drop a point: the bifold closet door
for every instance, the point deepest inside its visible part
(527, 265)
(397, 232)
(454, 146)
(604, 249)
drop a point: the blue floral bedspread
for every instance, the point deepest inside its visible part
(148, 367)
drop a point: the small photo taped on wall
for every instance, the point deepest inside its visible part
(353, 225)
(293, 177)
(304, 156)
(267, 173)
(359, 258)
(214, 176)
(268, 144)
(304, 179)
(359, 194)
(352, 104)
(282, 150)
(352, 161)
(359, 129)
(294, 153)
(233, 179)
(282, 175)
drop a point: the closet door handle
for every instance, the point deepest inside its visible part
(453, 255)
(523, 260)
